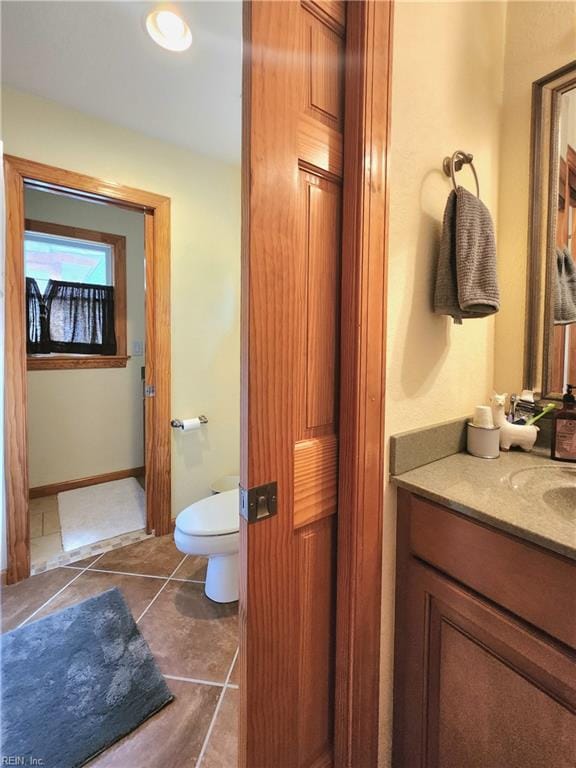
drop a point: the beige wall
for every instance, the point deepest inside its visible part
(540, 37)
(87, 422)
(447, 86)
(205, 197)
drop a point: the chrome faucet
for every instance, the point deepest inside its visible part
(521, 409)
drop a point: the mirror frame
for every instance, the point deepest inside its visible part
(544, 177)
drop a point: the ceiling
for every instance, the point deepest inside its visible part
(96, 57)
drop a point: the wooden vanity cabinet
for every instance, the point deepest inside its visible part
(485, 656)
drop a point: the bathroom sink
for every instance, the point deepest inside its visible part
(554, 487)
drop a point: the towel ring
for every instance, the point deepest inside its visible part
(455, 163)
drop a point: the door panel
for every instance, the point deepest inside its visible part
(479, 688)
(321, 254)
(293, 102)
(534, 728)
(316, 561)
(315, 478)
(323, 55)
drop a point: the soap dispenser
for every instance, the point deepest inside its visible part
(564, 429)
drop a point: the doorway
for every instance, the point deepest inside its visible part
(26, 178)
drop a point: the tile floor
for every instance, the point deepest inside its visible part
(194, 641)
(45, 539)
(46, 551)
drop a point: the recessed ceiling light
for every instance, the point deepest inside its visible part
(169, 30)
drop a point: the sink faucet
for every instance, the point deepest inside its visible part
(521, 408)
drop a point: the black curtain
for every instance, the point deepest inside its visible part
(36, 319)
(70, 318)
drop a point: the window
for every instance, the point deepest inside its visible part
(53, 257)
(75, 297)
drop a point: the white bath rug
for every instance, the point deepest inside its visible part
(100, 512)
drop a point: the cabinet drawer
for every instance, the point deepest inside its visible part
(534, 584)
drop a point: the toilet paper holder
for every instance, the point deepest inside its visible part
(179, 424)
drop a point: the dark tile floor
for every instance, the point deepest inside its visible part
(194, 641)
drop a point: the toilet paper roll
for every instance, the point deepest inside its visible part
(188, 425)
(483, 417)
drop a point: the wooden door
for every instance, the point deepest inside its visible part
(293, 166)
(480, 689)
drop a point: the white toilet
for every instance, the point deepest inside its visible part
(211, 528)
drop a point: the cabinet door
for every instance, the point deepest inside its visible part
(474, 687)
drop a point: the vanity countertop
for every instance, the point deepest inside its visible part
(482, 489)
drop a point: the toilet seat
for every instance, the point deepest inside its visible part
(217, 515)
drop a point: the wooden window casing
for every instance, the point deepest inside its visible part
(118, 244)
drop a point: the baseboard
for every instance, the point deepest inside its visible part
(82, 482)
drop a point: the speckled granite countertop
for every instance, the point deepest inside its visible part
(483, 489)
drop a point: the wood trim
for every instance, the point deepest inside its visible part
(361, 463)
(15, 394)
(150, 376)
(78, 233)
(120, 298)
(550, 250)
(50, 178)
(534, 277)
(158, 347)
(64, 363)
(19, 172)
(329, 12)
(404, 611)
(83, 482)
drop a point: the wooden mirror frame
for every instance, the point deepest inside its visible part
(544, 172)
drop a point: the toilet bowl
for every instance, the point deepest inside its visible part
(211, 528)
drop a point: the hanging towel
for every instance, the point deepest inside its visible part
(565, 288)
(466, 281)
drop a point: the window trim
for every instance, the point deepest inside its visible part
(118, 243)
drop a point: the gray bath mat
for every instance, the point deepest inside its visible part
(75, 682)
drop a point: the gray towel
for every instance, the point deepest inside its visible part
(466, 281)
(565, 288)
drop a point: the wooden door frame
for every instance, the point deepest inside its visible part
(156, 209)
(368, 84)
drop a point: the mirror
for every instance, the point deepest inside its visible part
(550, 357)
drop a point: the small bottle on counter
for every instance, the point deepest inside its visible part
(564, 429)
